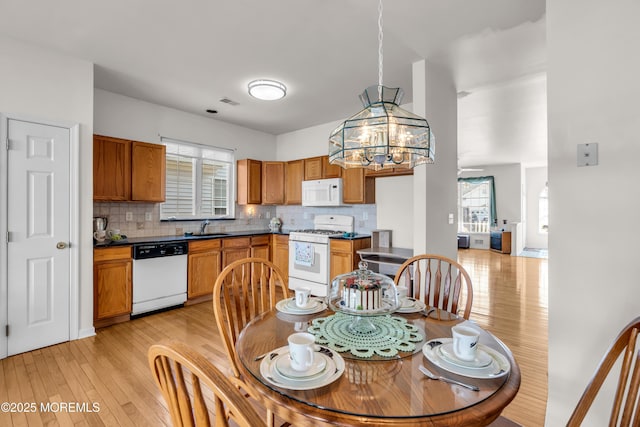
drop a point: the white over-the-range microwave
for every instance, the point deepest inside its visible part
(322, 192)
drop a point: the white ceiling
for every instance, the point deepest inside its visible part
(189, 54)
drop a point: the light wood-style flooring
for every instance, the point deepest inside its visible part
(111, 369)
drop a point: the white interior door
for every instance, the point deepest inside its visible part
(38, 277)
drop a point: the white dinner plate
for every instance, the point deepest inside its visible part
(482, 359)
(411, 305)
(283, 365)
(333, 370)
(498, 367)
(289, 306)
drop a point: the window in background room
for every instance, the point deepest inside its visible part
(476, 204)
(543, 210)
(199, 182)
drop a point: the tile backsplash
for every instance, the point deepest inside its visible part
(143, 219)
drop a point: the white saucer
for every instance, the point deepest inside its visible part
(283, 365)
(333, 370)
(289, 306)
(498, 367)
(313, 303)
(410, 305)
(482, 359)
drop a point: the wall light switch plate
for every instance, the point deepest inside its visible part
(128, 216)
(147, 216)
(450, 218)
(588, 154)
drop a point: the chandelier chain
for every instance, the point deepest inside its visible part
(380, 35)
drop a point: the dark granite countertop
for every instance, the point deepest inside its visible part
(182, 238)
(164, 239)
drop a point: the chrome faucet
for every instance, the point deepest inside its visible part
(203, 225)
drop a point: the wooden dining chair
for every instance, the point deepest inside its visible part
(173, 362)
(626, 403)
(243, 290)
(437, 281)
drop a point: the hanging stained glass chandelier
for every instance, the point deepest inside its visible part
(382, 134)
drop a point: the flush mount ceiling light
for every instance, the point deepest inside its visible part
(267, 90)
(383, 133)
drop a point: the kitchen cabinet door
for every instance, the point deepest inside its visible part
(111, 168)
(249, 182)
(272, 183)
(280, 245)
(112, 290)
(203, 267)
(344, 257)
(260, 246)
(313, 168)
(356, 188)
(293, 177)
(235, 248)
(329, 170)
(148, 176)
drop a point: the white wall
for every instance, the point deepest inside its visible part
(593, 92)
(42, 84)
(536, 179)
(435, 191)
(124, 117)
(394, 201)
(309, 142)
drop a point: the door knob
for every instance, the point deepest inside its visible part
(61, 245)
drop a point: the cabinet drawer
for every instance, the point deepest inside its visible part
(204, 245)
(109, 254)
(341, 246)
(260, 240)
(236, 242)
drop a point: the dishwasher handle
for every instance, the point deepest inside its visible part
(157, 250)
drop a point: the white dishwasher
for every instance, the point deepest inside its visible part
(159, 276)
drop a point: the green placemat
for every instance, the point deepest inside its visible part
(388, 336)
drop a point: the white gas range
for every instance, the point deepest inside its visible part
(309, 252)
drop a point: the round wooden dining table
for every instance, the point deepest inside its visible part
(377, 391)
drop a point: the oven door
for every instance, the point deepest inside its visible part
(309, 266)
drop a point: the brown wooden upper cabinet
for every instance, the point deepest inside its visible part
(273, 183)
(329, 170)
(312, 168)
(357, 188)
(125, 170)
(320, 168)
(293, 176)
(249, 182)
(148, 172)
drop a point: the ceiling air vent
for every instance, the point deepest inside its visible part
(229, 101)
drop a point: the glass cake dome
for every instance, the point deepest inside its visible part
(363, 293)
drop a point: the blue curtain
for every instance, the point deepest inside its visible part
(482, 180)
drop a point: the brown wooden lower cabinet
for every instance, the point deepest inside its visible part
(260, 246)
(204, 266)
(111, 285)
(343, 255)
(280, 252)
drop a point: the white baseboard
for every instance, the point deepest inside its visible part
(86, 333)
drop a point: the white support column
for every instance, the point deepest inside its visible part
(435, 186)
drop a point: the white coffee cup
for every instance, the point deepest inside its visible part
(100, 235)
(402, 292)
(465, 342)
(114, 234)
(301, 350)
(302, 297)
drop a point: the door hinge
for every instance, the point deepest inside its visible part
(6, 330)
(8, 236)
(7, 143)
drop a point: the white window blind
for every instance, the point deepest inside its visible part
(199, 181)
